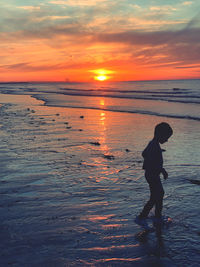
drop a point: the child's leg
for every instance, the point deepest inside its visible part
(156, 197)
(159, 200)
(149, 205)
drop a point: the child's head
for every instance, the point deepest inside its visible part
(162, 132)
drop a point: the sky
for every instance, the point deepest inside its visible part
(119, 40)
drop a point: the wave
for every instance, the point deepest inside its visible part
(168, 96)
(150, 98)
(159, 90)
(116, 109)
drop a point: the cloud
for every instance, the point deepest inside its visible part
(95, 16)
(188, 67)
(178, 47)
(194, 22)
(136, 6)
(185, 36)
(58, 2)
(29, 67)
(77, 2)
(30, 8)
(59, 35)
(13, 67)
(163, 8)
(187, 3)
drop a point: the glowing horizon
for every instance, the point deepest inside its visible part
(102, 74)
(61, 41)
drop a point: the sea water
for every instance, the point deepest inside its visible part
(64, 202)
(176, 98)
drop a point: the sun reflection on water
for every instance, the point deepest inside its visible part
(102, 118)
(102, 102)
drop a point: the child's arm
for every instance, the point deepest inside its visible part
(164, 173)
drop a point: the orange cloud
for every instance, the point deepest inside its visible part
(62, 39)
(30, 8)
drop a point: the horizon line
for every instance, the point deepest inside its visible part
(100, 82)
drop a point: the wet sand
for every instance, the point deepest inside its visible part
(72, 183)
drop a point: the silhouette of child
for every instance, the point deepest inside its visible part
(153, 166)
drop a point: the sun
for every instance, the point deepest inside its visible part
(101, 78)
(101, 74)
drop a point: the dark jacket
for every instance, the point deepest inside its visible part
(153, 159)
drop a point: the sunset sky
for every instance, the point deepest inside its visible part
(70, 40)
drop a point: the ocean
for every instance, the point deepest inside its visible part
(176, 98)
(71, 178)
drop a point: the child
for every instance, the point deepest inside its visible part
(153, 166)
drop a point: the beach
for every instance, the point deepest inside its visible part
(72, 181)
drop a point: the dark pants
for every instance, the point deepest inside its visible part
(156, 197)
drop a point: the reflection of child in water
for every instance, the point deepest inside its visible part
(153, 166)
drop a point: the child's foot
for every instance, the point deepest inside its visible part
(142, 222)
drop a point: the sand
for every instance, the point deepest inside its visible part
(72, 183)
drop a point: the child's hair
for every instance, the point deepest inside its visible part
(163, 129)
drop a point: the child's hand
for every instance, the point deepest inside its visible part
(165, 174)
